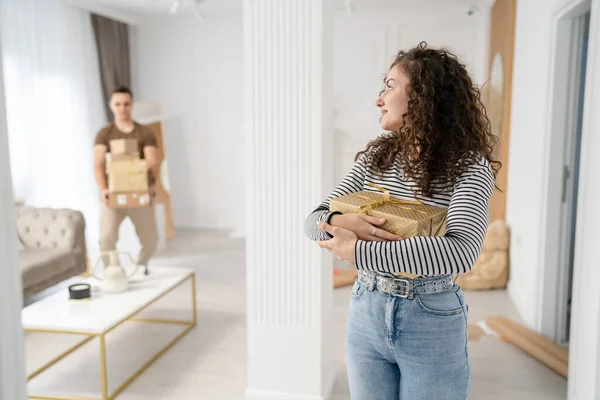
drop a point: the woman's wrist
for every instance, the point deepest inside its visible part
(334, 216)
(356, 253)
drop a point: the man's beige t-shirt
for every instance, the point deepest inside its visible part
(144, 135)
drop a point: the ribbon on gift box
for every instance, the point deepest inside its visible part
(387, 200)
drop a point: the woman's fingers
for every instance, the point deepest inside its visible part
(378, 234)
(328, 228)
(372, 220)
(387, 235)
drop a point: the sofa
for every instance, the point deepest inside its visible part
(51, 246)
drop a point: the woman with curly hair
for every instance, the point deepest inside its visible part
(407, 321)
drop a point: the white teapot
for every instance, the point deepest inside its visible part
(114, 279)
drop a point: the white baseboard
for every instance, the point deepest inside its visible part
(254, 394)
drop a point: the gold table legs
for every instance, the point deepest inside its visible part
(102, 338)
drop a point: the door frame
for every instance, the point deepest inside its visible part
(566, 29)
(584, 346)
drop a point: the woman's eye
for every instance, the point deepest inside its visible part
(387, 87)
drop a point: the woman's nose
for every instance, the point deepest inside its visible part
(379, 101)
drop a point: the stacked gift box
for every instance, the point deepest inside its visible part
(127, 175)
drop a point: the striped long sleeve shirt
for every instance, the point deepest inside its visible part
(467, 203)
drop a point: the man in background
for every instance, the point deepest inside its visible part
(143, 218)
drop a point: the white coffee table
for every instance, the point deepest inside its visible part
(97, 316)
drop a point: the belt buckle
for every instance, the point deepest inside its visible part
(406, 288)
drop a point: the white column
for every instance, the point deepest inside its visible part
(289, 161)
(12, 364)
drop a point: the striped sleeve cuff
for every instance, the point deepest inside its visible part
(382, 256)
(359, 251)
(325, 217)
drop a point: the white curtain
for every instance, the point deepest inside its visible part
(53, 104)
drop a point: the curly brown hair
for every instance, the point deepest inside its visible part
(445, 117)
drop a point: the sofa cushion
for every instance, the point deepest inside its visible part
(51, 228)
(38, 265)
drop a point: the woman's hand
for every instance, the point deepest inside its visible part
(364, 226)
(342, 244)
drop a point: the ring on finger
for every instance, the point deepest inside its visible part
(374, 231)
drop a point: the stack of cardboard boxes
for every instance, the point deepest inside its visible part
(127, 176)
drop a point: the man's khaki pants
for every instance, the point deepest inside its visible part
(144, 221)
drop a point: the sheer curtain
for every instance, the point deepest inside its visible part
(54, 105)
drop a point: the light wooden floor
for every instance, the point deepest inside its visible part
(209, 363)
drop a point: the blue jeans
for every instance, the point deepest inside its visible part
(408, 349)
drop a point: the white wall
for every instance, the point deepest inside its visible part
(365, 46)
(528, 141)
(194, 69)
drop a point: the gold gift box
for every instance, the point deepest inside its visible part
(406, 218)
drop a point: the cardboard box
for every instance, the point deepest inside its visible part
(407, 218)
(135, 199)
(124, 157)
(127, 182)
(133, 166)
(127, 176)
(124, 146)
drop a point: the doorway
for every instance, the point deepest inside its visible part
(570, 179)
(567, 105)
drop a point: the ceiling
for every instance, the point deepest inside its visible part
(142, 8)
(133, 10)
